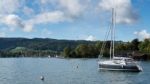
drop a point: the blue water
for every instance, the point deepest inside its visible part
(65, 71)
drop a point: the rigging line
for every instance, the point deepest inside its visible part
(104, 42)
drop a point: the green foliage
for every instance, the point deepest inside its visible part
(122, 47)
(135, 44)
(98, 46)
(24, 52)
(67, 52)
(82, 51)
(37, 47)
(39, 43)
(13, 47)
(145, 46)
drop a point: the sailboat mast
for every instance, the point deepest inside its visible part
(113, 31)
(112, 44)
(112, 36)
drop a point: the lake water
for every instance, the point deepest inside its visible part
(65, 71)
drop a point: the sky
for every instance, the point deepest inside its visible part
(74, 19)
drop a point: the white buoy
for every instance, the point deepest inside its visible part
(42, 78)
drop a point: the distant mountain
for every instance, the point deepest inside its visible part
(39, 43)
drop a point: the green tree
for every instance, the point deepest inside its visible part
(121, 47)
(67, 51)
(92, 51)
(135, 44)
(81, 50)
(145, 45)
(86, 51)
(98, 45)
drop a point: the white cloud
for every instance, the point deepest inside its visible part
(28, 28)
(70, 7)
(143, 34)
(60, 11)
(124, 11)
(46, 17)
(43, 18)
(90, 38)
(9, 6)
(63, 10)
(12, 20)
(73, 7)
(57, 11)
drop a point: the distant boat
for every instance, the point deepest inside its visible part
(56, 56)
(116, 63)
(49, 56)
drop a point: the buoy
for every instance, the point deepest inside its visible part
(77, 66)
(42, 78)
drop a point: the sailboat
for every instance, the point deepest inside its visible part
(116, 63)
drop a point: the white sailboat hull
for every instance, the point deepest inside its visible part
(119, 66)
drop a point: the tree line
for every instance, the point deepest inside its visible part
(39, 47)
(93, 50)
(36, 47)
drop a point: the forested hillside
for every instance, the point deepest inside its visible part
(14, 47)
(41, 47)
(39, 43)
